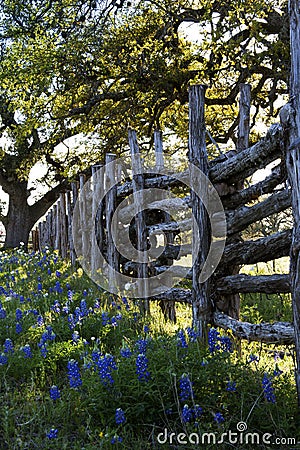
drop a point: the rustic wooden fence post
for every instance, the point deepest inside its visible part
(111, 204)
(63, 226)
(57, 226)
(97, 214)
(83, 217)
(293, 168)
(140, 221)
(233, 301)
(201, 305)
(70, 210)
(168, 308)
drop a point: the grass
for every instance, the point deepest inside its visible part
(58, 329)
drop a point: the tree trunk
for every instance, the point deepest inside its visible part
(18, 221)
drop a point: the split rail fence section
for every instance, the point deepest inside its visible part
(216, 301)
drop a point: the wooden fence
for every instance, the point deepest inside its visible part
(216, 300)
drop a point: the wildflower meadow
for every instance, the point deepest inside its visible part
(81, 369)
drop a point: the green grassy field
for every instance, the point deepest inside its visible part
(82, 370)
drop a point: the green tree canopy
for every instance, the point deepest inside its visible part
(71, 67)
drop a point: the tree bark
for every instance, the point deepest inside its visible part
(18, 223)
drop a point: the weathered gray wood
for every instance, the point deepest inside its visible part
(249, 160)
(244, 117)
(236, 220)
(111, 204)
(158, 146)
(293, 169)
(272, 333)
(83, 217)
(268, 284)
(141, 229)
(63, 226)
(256, 190)
(57, 226)
(201, 305)
(175, 295)
(72, 252)
(168, 309)
(97, 226)
(54, 223)
(241, 218)
(229, 170)
(265, 249)
(232, 301)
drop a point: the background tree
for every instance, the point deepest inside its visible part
(72, 68)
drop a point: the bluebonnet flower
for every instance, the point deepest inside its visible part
(268, 389)
(125, 301)
(19, 314)
(120, 416)
(226, 344)
(77, 315)
(18, 328)
(231, 386)
(8, 346)
(142, 345)
(253, 358)
(105, 365)
(219, 418)
(192, 334)
(186, 388)
(74, 374)
(198, 411)
(39, 287)
(85, 293)
(75, 336)
(2, 313)
(58, 274)
(213, 337)
(113, 322)
(97, 304)
(105, 318)
(3, 359)
(49, 271)
(43, 350)
(56, 307)
(58, 287)
(48, 335)
(146, 329)
(40, 321)
(142, 367)
(83, 308)
(54, 393)
(181, 340)
(116, 439)
(70, 295)
(71, 321)
(27, 351)
(125, 352)
(53, 433)
(187, 414)
(22, 299)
